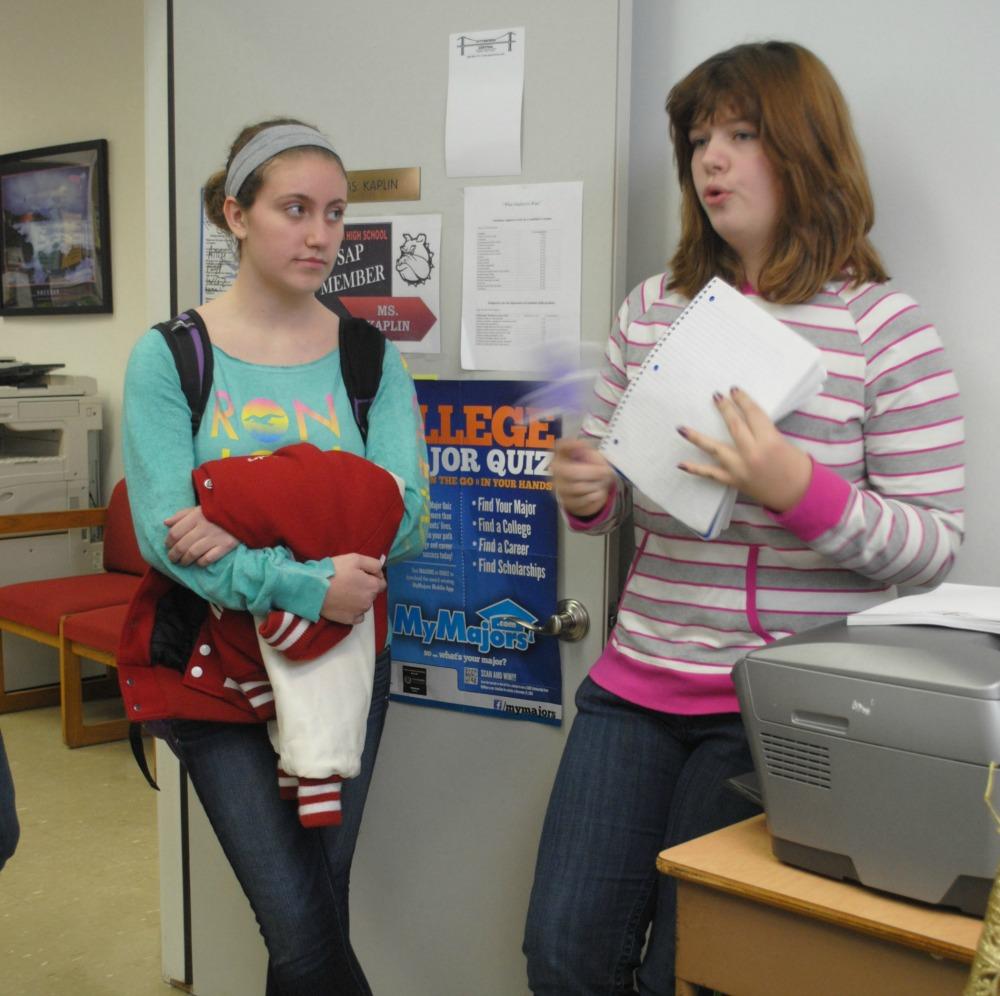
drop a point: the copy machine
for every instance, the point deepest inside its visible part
(872, 748)
(50, 460)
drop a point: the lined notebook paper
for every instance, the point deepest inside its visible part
(721, 339)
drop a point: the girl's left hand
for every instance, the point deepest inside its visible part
(760, 462)
(192, 539)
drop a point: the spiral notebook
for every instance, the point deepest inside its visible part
(721, 339)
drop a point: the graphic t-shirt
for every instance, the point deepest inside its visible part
(256, 408)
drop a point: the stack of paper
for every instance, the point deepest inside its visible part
(958, 606)
(722, 339)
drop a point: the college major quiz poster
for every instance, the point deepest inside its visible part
(489, 565)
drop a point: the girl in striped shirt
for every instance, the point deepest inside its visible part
(858, 491)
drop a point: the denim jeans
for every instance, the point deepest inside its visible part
(10, 830)
(295, 878)
(631, 782)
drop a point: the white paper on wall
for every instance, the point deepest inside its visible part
(485, 97)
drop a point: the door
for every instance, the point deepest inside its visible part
(446, 855)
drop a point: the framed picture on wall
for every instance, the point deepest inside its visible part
(55, 251)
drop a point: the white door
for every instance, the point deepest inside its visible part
(446, 855)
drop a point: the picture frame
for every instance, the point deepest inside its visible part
(55, 240)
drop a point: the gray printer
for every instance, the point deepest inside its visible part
(872, 748)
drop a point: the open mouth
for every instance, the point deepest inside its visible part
(714, 196)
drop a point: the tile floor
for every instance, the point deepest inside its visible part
(79, 907)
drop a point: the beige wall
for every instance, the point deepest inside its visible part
(69, 73)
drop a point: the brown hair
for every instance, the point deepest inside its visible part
(215, 186)
(805, 131)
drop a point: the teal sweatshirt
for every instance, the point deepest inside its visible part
(256, 408)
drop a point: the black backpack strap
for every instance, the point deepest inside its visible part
(362, 348)
(139, 752)
(191, 348)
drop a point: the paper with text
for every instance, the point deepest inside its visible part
(521, 272)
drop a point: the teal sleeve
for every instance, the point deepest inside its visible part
(396, 443)
(159, 455)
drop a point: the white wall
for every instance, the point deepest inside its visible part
(923, 83)
(69, 73)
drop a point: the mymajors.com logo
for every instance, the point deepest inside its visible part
(539, 711)
(499, 627)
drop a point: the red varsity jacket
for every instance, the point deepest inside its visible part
(318, 504)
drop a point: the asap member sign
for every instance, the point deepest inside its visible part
(387, 271)
(489, 566)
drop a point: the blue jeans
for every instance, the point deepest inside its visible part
(631, 782)
(10, 830)
(296, 878)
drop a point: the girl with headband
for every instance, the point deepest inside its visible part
(857, 492)
(276, 382)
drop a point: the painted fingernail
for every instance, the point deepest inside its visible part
(734, 390)
(681, 431)
(683, 466)
(717, 397)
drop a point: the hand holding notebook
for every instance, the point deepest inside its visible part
(721, 339)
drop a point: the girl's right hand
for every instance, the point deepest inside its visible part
(356, 583)
(583, 480)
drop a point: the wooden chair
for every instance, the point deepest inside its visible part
(36, 610)
(92, 635)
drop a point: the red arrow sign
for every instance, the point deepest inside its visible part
(405, 319)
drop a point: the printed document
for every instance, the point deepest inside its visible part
(521, 272)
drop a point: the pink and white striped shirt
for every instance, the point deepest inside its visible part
(884, 505)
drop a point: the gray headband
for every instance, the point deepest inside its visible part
(266, 145)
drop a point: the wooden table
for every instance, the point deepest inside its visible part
(749, 925)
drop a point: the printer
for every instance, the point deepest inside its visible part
(872, 747)
(50, 440)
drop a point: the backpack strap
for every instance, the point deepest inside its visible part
(139, 753)
(362, 348)
(191, 348)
